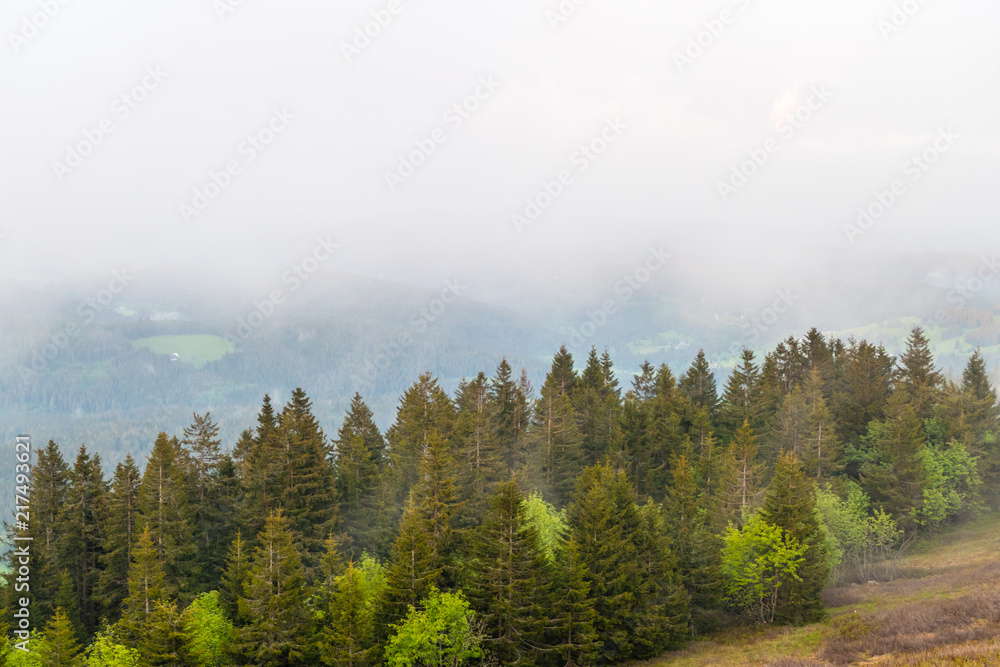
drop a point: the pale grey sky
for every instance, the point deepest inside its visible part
(199, 80)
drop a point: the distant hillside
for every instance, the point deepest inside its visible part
(82, 364)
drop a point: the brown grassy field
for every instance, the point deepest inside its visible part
(943, 610)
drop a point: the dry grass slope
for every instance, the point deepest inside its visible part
(944, 610)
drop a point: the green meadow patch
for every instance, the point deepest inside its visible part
(195, 349)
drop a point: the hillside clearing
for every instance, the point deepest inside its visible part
(944, 609)
(195, 349)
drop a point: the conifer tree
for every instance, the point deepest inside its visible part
(917, 375)
(201, 442)
(555, 435)
(411, 574)
(308, 494)
(821, 448)
(81, 532)
(819, 355)
(66, 599)
(571, 638)
(663, 602)
(741, 399)
(982, 437)
(598, 403)
(644, 382)
(58, 645)
(863, 391)
(359, 420)
(695, 545)
(259, 459)
(790, 504)
(605, 522)
(360, 457)
(164, 509)
(50, 491)
(508, 578)
(277, 620)
(698, 384)
(710, 455)
(234, 578)
(145, 588)
(478, 454)
(562, 372)
(357, 479)
(424, 407)
(509, 420)
(666, 432)
(743, 476)
(892, 472)
(345, 640)
(436, 496)
(120, 528)
(789, 427)
(165, 642)
(633, 454)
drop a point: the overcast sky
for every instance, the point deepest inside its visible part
(199, 78)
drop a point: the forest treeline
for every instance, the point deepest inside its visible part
(585, 523)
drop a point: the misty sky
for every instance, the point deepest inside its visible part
(198, 84)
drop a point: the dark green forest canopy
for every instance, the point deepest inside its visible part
(595, 520)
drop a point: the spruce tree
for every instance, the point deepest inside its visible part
(821, 447)
(478, 454)
(259, 458)
(277, 619)
(50, 491)
(120, 528)
(710, 455)
(58, 645)
(436, 497)
(741, 399)
(982, 414)
(598, 403)
(165, 642)
(663, 602)
(424, 407)
(411, 574)
(308, 493)
(644, 382)
(165, 510)
(201, 441)
(571, 638)
(789, 427)
(360, 457)
(145, 588)
(917, 375)
(743, 476)
(345, 640)
(81, 534)
(562, 372)
(698, 384)
(864, 390)
(666, 432)
(359, 420)
(790, 504)
(892, 472)
(695, 545)
(234, 578)
(357, 477)
(633, 454)
(508, 578)
(604, 520)
(555, 436)
(508, 420)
